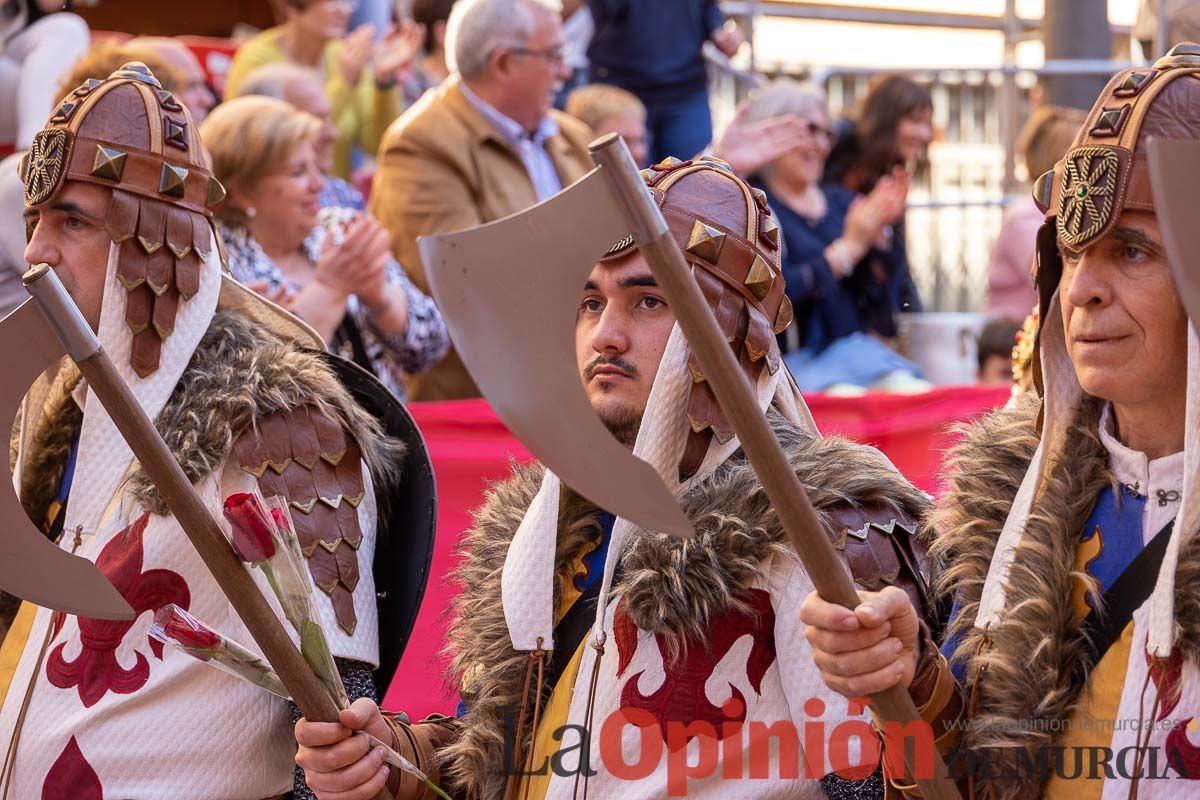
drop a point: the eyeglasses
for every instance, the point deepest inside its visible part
(555, 55)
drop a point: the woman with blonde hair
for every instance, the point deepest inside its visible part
(611, 109)
(331, 266)
(361, 74)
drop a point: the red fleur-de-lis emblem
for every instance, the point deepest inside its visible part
(96, 670)
(71, 777)
(681, 699)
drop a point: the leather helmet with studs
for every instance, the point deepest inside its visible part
(128, 134)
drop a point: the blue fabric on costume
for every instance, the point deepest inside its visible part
(858, 359)
(1115, 527)
(594, 561)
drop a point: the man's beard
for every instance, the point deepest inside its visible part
(623, 423)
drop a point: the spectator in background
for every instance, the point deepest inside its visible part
(100, 60)
(299, 86)
(891, 133)
(42, 38)
(430, 69)
(995, 352)
(892, 129)
(483, 145)
(360, 74)
(1183, 25)
(607, 109)
(653, 49)
(1046, 137)
(194, 91)
(844, 273)
(578, 29)
(329, 266)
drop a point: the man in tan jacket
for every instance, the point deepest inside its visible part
(483, 145)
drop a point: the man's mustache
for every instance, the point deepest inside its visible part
(615, 361)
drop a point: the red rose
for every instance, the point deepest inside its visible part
(281, 520)
(252, 540)
(185, 629)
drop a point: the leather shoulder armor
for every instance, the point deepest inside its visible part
(308, 458)
(882, 549)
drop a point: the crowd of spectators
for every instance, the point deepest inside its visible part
(345, 134)
(332, 266)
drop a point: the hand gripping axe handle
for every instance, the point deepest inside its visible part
(738, 401)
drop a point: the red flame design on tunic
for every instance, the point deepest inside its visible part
(71, 777)
(1182, 755)
(96, 670)
(681, 699)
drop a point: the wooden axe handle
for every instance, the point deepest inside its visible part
(189, 510)
(740, 405)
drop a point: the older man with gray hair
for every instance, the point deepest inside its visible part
(483, 145)
(303, 89)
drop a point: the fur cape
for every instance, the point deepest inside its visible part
(671, 586)
(239, 373)
(1034, 664)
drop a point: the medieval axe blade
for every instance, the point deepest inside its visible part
(509, 292)
(31, 566)
(1174, 175)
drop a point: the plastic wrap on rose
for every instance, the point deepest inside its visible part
(281, 515)
(286, 572)
(251, 528)
(174, 626)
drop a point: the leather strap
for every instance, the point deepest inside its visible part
(419, 744)
(141, 174)
(1125, 596)
(940, 702)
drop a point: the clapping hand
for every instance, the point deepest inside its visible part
(749, 146)
(891, 192)
(870, 216)
(358, 265)
(728, 39)
(397, 50)
(355, 52)
(281, 295)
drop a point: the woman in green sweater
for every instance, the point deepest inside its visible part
(360, 73)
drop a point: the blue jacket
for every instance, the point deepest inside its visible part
(827, 308)
(652, 47)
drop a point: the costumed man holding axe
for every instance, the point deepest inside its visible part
(580, 639)
(118, 198)
(1068, 535)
